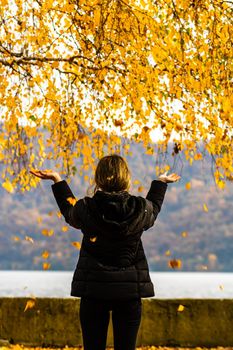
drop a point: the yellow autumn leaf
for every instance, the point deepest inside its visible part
(8, 186)
(227, 105)
(93, 239)
(71, 200)
(46, 266)
(149, 151)
(136, 182)
(59, 214)
(175, 263)
(47, 232)
(188, 186)
(16, 238)
(76, 245)
(140, 188)
(30, 304)
(45, 254)
(168, 253)
(39, 219)
(184, 234)
(65, 228)
(221, 287)
(118, 123)
(198, 156)
(205, 208)
(180, 308)
(97, 16)
(221, 184)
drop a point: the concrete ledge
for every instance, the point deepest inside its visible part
(55, 322)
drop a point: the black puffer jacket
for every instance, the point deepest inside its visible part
(112, 263)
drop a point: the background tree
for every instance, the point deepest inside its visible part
(78, 74)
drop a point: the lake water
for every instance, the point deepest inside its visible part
(167, 284)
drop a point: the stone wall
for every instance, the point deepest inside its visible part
(178, 322)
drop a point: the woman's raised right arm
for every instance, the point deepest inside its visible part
(156, 194)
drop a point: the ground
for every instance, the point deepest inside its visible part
(21, 347)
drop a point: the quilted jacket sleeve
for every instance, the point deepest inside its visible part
(73, 214)
(155, 197)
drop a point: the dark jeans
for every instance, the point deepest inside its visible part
(94, 318)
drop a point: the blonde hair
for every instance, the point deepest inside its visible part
(112, 174)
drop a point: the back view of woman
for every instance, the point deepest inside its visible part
(112, 272)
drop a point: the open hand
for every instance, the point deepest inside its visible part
(46, 174)
(169, 178)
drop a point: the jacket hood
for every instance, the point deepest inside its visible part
(116, 212)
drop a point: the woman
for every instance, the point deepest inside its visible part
(112, 271)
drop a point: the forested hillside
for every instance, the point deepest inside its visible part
(195, 224)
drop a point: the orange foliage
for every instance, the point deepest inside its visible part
(82, 69)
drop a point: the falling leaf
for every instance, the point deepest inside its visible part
(175, 263)
(188, 186)
(76, 245)
(30, 304)
(205, 208)
(65, 228)
(180, 308)
(50, 213)
(221, 287)
(16, 238)
(59, 214)
(71, 200)
(39, 219)
(46, 232)
(8, 186)
(29, 239)
(46, 265)
(136, 182)
(168, 253)
(184, 234)
(140, 188)
(93, 239)
(45, 254)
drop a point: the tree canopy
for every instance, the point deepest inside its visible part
(77, 75)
